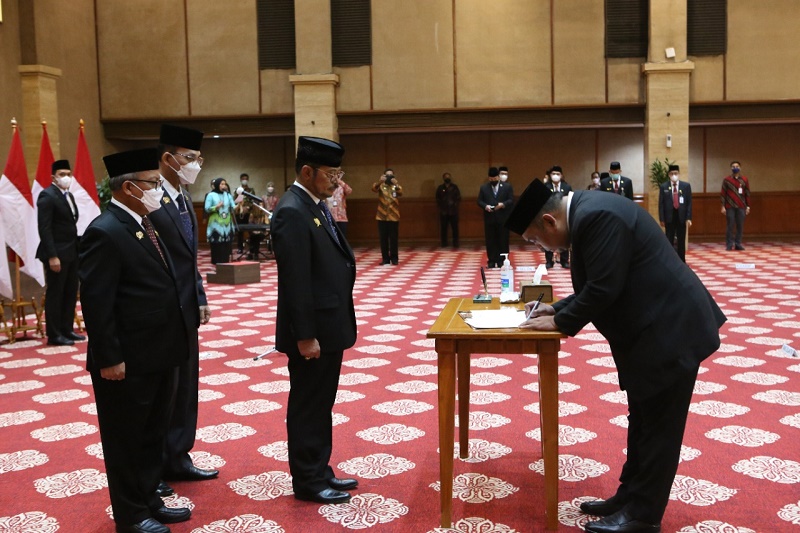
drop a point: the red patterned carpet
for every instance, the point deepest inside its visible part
(740, 471)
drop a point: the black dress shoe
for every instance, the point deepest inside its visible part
(148, 525)
(550, 265)
(164, 490)
(621, 522)
(342, 484)
(739, 247)
(330, 496)
(601, 507)
(191, 473)
(60, 341)
(172, 515)
(75, 336)
(565, 264)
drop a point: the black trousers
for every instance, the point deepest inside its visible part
(734, 217)
(60, 297)
(444, 222)
(183, 420)
(655, 432)
(221, 252)
(309, 423)
(241, 219)
(133, 422)
(388, 232)
(496, 236)
(676, 229)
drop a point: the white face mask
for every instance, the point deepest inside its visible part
(596, 181)
(187, 173)
(151, 198)
(64, 182)
(503, 177)
(244, 183)
(674, 178)
(270, 190)
(555, 177)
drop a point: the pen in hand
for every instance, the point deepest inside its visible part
(535, 306)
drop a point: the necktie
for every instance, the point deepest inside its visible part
(329, 218)
(616, 186)
(675, 197)
(494, 190)
(148, 227)
(186, 219)
(71, 203)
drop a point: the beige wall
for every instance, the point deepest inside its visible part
(10, 85)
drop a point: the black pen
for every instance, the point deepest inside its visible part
(538, 301)
(483, 277)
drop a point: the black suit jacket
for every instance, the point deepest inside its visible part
(58, 234)
(505, 194)
(606, 184)
(665, 209)
(565, 188)
(167, 222)
(129, 298)
(657, 315)
(315, 277)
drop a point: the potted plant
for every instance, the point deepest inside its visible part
(659, 172)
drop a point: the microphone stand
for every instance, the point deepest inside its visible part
(256, 358)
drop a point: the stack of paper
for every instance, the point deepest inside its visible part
(496, 318)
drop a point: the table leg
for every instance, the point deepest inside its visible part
(463, 370)
(548, 414)
(447, 377)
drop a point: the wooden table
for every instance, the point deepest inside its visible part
(455, 341)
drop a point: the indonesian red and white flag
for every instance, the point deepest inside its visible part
(84, 186)
(44, 171)
(17, 214)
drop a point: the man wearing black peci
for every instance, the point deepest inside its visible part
(658, 318)
(316, 318)
(57, 215)
(180, 161)
(138, 337)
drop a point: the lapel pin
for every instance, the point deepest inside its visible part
(166, 199)
(139, 235)
(317, 222)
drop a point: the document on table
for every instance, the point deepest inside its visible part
(496, 318)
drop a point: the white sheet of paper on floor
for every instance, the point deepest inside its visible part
(745, 266)
(788, 350)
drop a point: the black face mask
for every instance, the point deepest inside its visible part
(447, 181)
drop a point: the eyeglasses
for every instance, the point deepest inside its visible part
(333, 174)
(155, 183)
(190, 157)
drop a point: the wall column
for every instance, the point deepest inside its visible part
(39, 102)
(667, 91)
(315, 83)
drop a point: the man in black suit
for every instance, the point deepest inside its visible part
(57, 215)
(675, 209)
(176, 222)
(557, 184)
(658, 318)
(496, 199)
(316, 318)
(616, 182)
(137, 338)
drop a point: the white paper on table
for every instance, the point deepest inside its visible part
(496, 318)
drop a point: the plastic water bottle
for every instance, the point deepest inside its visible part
(506, 276)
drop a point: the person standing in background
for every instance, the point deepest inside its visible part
(219, 232)
(495, 199)
(448, 199)
(503, 174)
(594, 182)
(57, 216)
(675, 209)
(180, 160)
(557, 185)
(316, 318)
(388, 215)
(616, 182)
(735, 205)
(243, 210)
(270, 198)
(337, 204)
